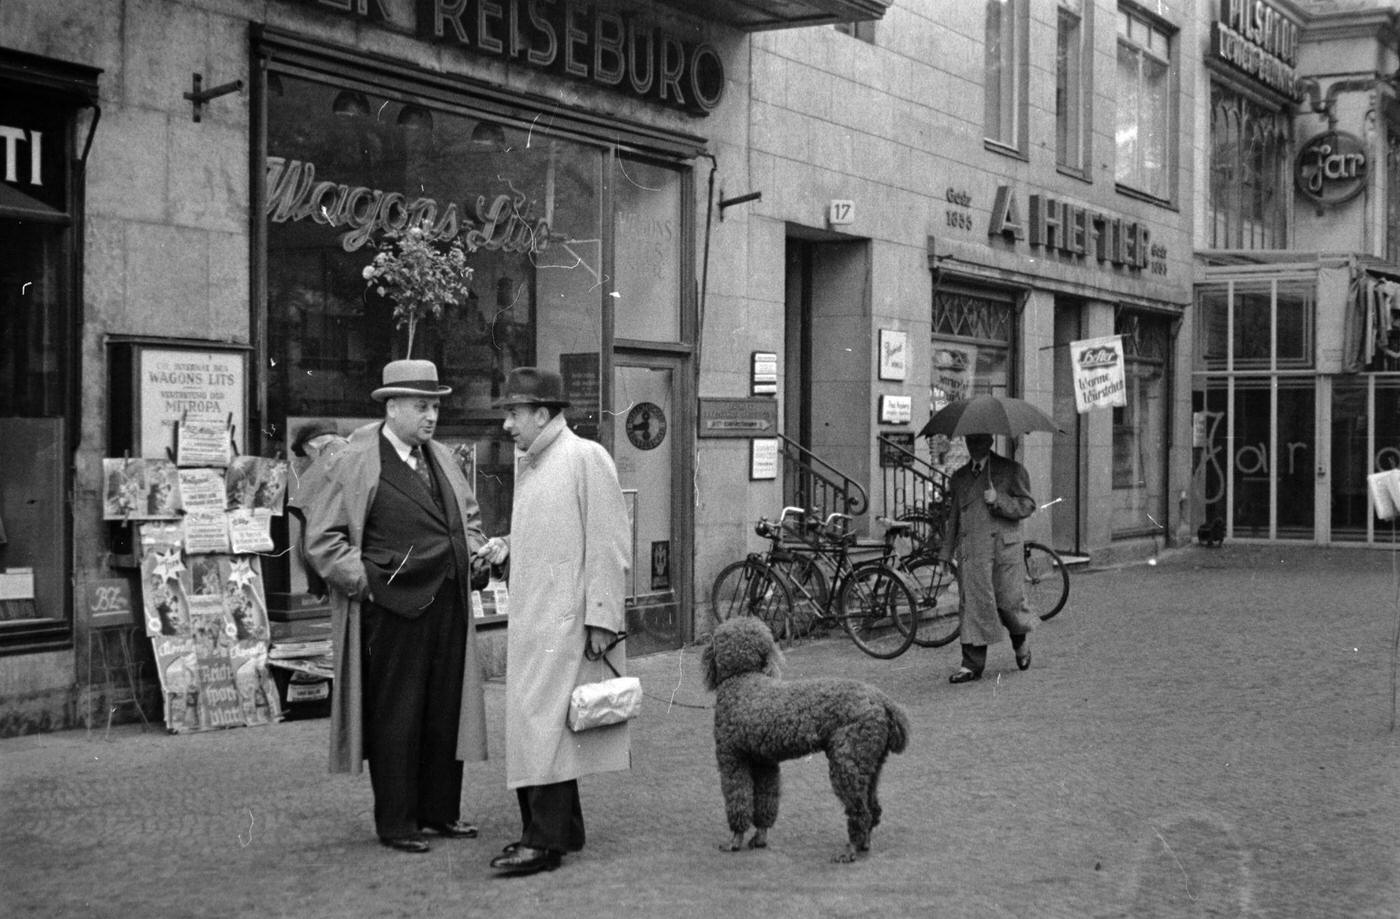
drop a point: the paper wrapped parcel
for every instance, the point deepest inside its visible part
(595, 705)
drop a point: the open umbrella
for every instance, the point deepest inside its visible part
(989, 415)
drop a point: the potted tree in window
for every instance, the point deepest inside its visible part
(420, 275)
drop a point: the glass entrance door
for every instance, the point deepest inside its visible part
(647, 447)
(1261, 460)
(1365, 427)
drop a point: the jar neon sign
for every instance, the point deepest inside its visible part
(1331, 168)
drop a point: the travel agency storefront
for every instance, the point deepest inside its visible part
(238, 184)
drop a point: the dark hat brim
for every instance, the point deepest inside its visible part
(522, 399)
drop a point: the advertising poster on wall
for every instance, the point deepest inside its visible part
(174, 383)
(1098, 373)
(140, 489)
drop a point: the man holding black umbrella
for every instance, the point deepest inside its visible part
(990, 496)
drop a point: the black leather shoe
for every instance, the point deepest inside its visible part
(1023, 661)
(527, 860)
(510, 848)
(461, 829)
(965, 676)
(406, 844)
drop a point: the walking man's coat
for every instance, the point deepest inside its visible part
(987, 540)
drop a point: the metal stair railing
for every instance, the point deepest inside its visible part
(811, 482)
(916, 491)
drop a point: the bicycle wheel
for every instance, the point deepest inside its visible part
(751, 588)
(877, 609)
(925, 534)
(936, 588)
(1047, 580)
(807, 585)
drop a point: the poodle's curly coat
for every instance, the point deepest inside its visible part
(761, 721)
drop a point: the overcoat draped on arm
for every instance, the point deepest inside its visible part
(335, 522)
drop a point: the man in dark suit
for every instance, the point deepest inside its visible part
(392, 529)
(990, 496)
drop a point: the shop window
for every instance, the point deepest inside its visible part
(1140, 426)
(1007, 73)
(1073, 57)
(648, 242)
(1257, 325)
(344, 166)
(40, 105)
(1145, 116)
(1249, 172)
(973, 332)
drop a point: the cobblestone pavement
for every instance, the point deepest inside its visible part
(1210, 736)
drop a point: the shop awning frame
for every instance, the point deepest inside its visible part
(765, 15)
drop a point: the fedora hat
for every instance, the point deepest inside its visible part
(532, 386)
(410, 378)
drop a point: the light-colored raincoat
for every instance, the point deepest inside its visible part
(570, 548)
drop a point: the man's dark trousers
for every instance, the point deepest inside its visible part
(414, 643)
(411, 743)
(551, 816)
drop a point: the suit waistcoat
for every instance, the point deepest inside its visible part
(412, 543)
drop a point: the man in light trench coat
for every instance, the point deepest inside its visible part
(392, 526)
(990, 497)
(569, 550)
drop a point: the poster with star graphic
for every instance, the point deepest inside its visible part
(165, 592)
(245, 602)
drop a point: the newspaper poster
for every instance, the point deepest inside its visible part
(206, 532)
(175, 664)
(206, 576)
(217, 695)
(1098, 373)
(139, 489)
(494, 600)
(249, 531)
(165, 593)
(244, 598)
(202, 490)
(257, 691)
(256, 483)
(204, 440)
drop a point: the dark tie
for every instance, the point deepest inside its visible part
(976, 469)
(420, 466)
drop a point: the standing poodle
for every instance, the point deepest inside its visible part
(761, 721)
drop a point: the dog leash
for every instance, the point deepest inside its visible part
(590, 654)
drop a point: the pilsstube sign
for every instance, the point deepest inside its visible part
(624, 51)
(1331, 168)
(504, 222)
(1258, 40)
(1098, 373)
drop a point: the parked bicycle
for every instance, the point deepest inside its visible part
(810, 577)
